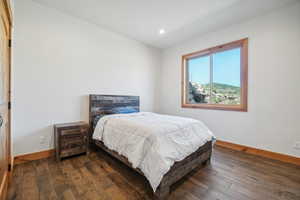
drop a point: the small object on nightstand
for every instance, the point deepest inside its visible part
(71, 139)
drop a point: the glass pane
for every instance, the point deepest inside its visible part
(226, 77)
(198, 80)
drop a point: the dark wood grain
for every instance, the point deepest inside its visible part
(232, 175)
(99, 104)
(71, 139)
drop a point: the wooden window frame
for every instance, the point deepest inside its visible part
(243, 106)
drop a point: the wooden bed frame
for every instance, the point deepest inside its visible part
(100, 104)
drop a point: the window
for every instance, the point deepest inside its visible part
(216, 78)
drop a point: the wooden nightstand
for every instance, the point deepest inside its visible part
(71, 139)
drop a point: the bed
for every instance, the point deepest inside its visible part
(102, 105)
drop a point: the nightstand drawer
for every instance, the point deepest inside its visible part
(72, 136)
(72, 151)
(73, 131)
(73, 143)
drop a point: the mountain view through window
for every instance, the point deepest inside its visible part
(215, 78)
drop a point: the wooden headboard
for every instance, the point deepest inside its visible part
(100, 104)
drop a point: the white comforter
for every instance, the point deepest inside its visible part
(152, 142)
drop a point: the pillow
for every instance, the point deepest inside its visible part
(124, 110)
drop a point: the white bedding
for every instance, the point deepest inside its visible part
(152, 142)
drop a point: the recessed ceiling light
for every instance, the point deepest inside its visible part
(162, 31)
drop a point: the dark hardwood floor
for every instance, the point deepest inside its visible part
(231, 175)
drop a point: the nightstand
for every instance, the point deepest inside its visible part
(71, 139)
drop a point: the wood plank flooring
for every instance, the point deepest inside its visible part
(231, 175)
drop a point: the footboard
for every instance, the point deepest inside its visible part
(177, 171)
(182, 168)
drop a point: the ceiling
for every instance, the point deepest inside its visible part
(181, 19)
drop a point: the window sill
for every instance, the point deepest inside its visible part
(241, 108)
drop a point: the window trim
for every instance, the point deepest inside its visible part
(243, 44)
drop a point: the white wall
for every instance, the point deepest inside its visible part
(58, 60)
(273, 119)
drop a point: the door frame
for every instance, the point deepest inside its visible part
(7, 5)
(7, 175)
